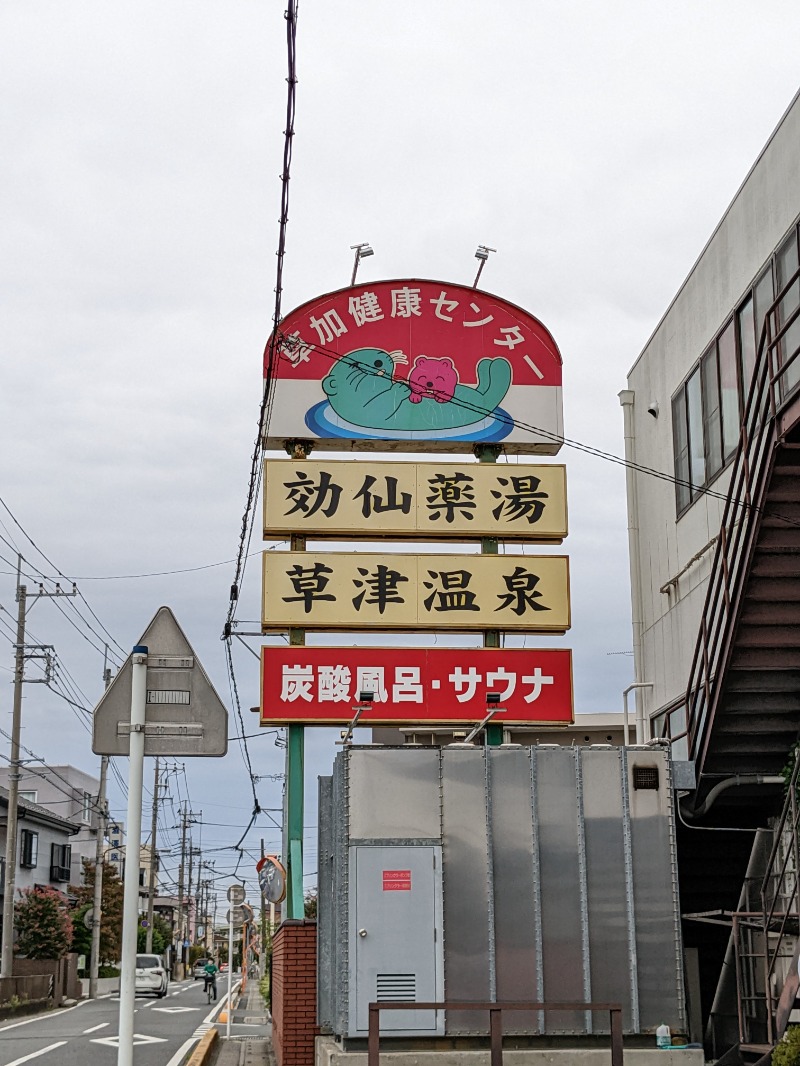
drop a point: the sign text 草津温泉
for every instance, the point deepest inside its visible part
(430, 685)
(331, 590)
(434, 500)
(427, 365)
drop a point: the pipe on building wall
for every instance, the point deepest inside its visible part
(723, 786)
(626, 399)
(640, 719)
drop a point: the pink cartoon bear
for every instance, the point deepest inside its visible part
(436, 378)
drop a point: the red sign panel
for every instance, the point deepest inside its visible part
(416, 362)
(396, 880)
(415, 685)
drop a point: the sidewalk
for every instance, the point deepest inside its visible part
(249, 1050)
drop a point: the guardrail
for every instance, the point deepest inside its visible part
(495, 1011)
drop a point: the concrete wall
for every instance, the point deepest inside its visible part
(764, 209)
(294, 993)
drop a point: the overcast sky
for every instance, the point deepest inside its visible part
(594, 145)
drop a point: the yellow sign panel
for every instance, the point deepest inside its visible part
(329, 590)
(433, 500)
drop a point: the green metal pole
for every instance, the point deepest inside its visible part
(295, 786)
(488, 453)
(295, 752)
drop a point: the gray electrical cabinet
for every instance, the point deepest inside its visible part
(545, 874)
(395, 935)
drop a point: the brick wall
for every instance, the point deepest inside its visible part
(294, 993)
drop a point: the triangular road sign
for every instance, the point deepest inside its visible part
(184, 715)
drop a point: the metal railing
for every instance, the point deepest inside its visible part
(495, 1011)
(770, 392)
(779, 892)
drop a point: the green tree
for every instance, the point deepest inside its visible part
(43, 923)
(787, 1053)
(111, 920)
(310, 904)
(162, 936)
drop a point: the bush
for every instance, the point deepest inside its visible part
(787, 1053)
(44, 926)
(107, 971)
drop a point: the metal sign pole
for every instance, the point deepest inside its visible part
(230, 978)
(130, 913)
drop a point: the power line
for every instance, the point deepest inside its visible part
(568, 442)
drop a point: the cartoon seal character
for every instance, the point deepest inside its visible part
(362, 389)
(436, 378)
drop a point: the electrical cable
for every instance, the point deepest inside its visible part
(568, 442)
(271, 358)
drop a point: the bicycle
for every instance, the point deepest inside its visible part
(211, 986)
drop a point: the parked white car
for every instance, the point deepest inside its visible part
(151, 975)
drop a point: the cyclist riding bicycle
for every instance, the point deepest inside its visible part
(210, 972)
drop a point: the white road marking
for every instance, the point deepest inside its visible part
(36, 1054)
(533, 367)
(94, 1028)
(179, 1056)
(175, 1010)
(182, 1052)
(113, 1041)
(38, 1018)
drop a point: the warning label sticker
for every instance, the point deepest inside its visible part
(396, 880)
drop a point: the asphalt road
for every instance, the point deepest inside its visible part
(86, 1035)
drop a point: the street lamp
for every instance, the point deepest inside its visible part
(362, 251)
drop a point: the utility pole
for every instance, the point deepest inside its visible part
(97, 905)
(151, 888)
(262, 962)
(7, 943)
(181, 871)
(190, 899)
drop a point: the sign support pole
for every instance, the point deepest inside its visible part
(230, 978)
(295, 757)
(488, 453)
(130, 913)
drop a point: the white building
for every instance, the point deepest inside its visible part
(715, 584)
(70, 794)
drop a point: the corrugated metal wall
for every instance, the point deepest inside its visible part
(559, 876)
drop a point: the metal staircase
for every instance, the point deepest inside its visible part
(743, 696)
(742, 713)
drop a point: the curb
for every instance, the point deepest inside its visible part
(202, 1053)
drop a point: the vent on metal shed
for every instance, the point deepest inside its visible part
(396, 987)
(645, 777)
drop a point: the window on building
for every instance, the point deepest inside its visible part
(28, 848)
(712, 414)
(86, 808)
(728, 390)
(694, 413)
(680, 433)
(60, 861)
(707, 409)
(28, 795)
(786, 264)
(745, 320)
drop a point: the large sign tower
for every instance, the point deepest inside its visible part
(411, 366)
